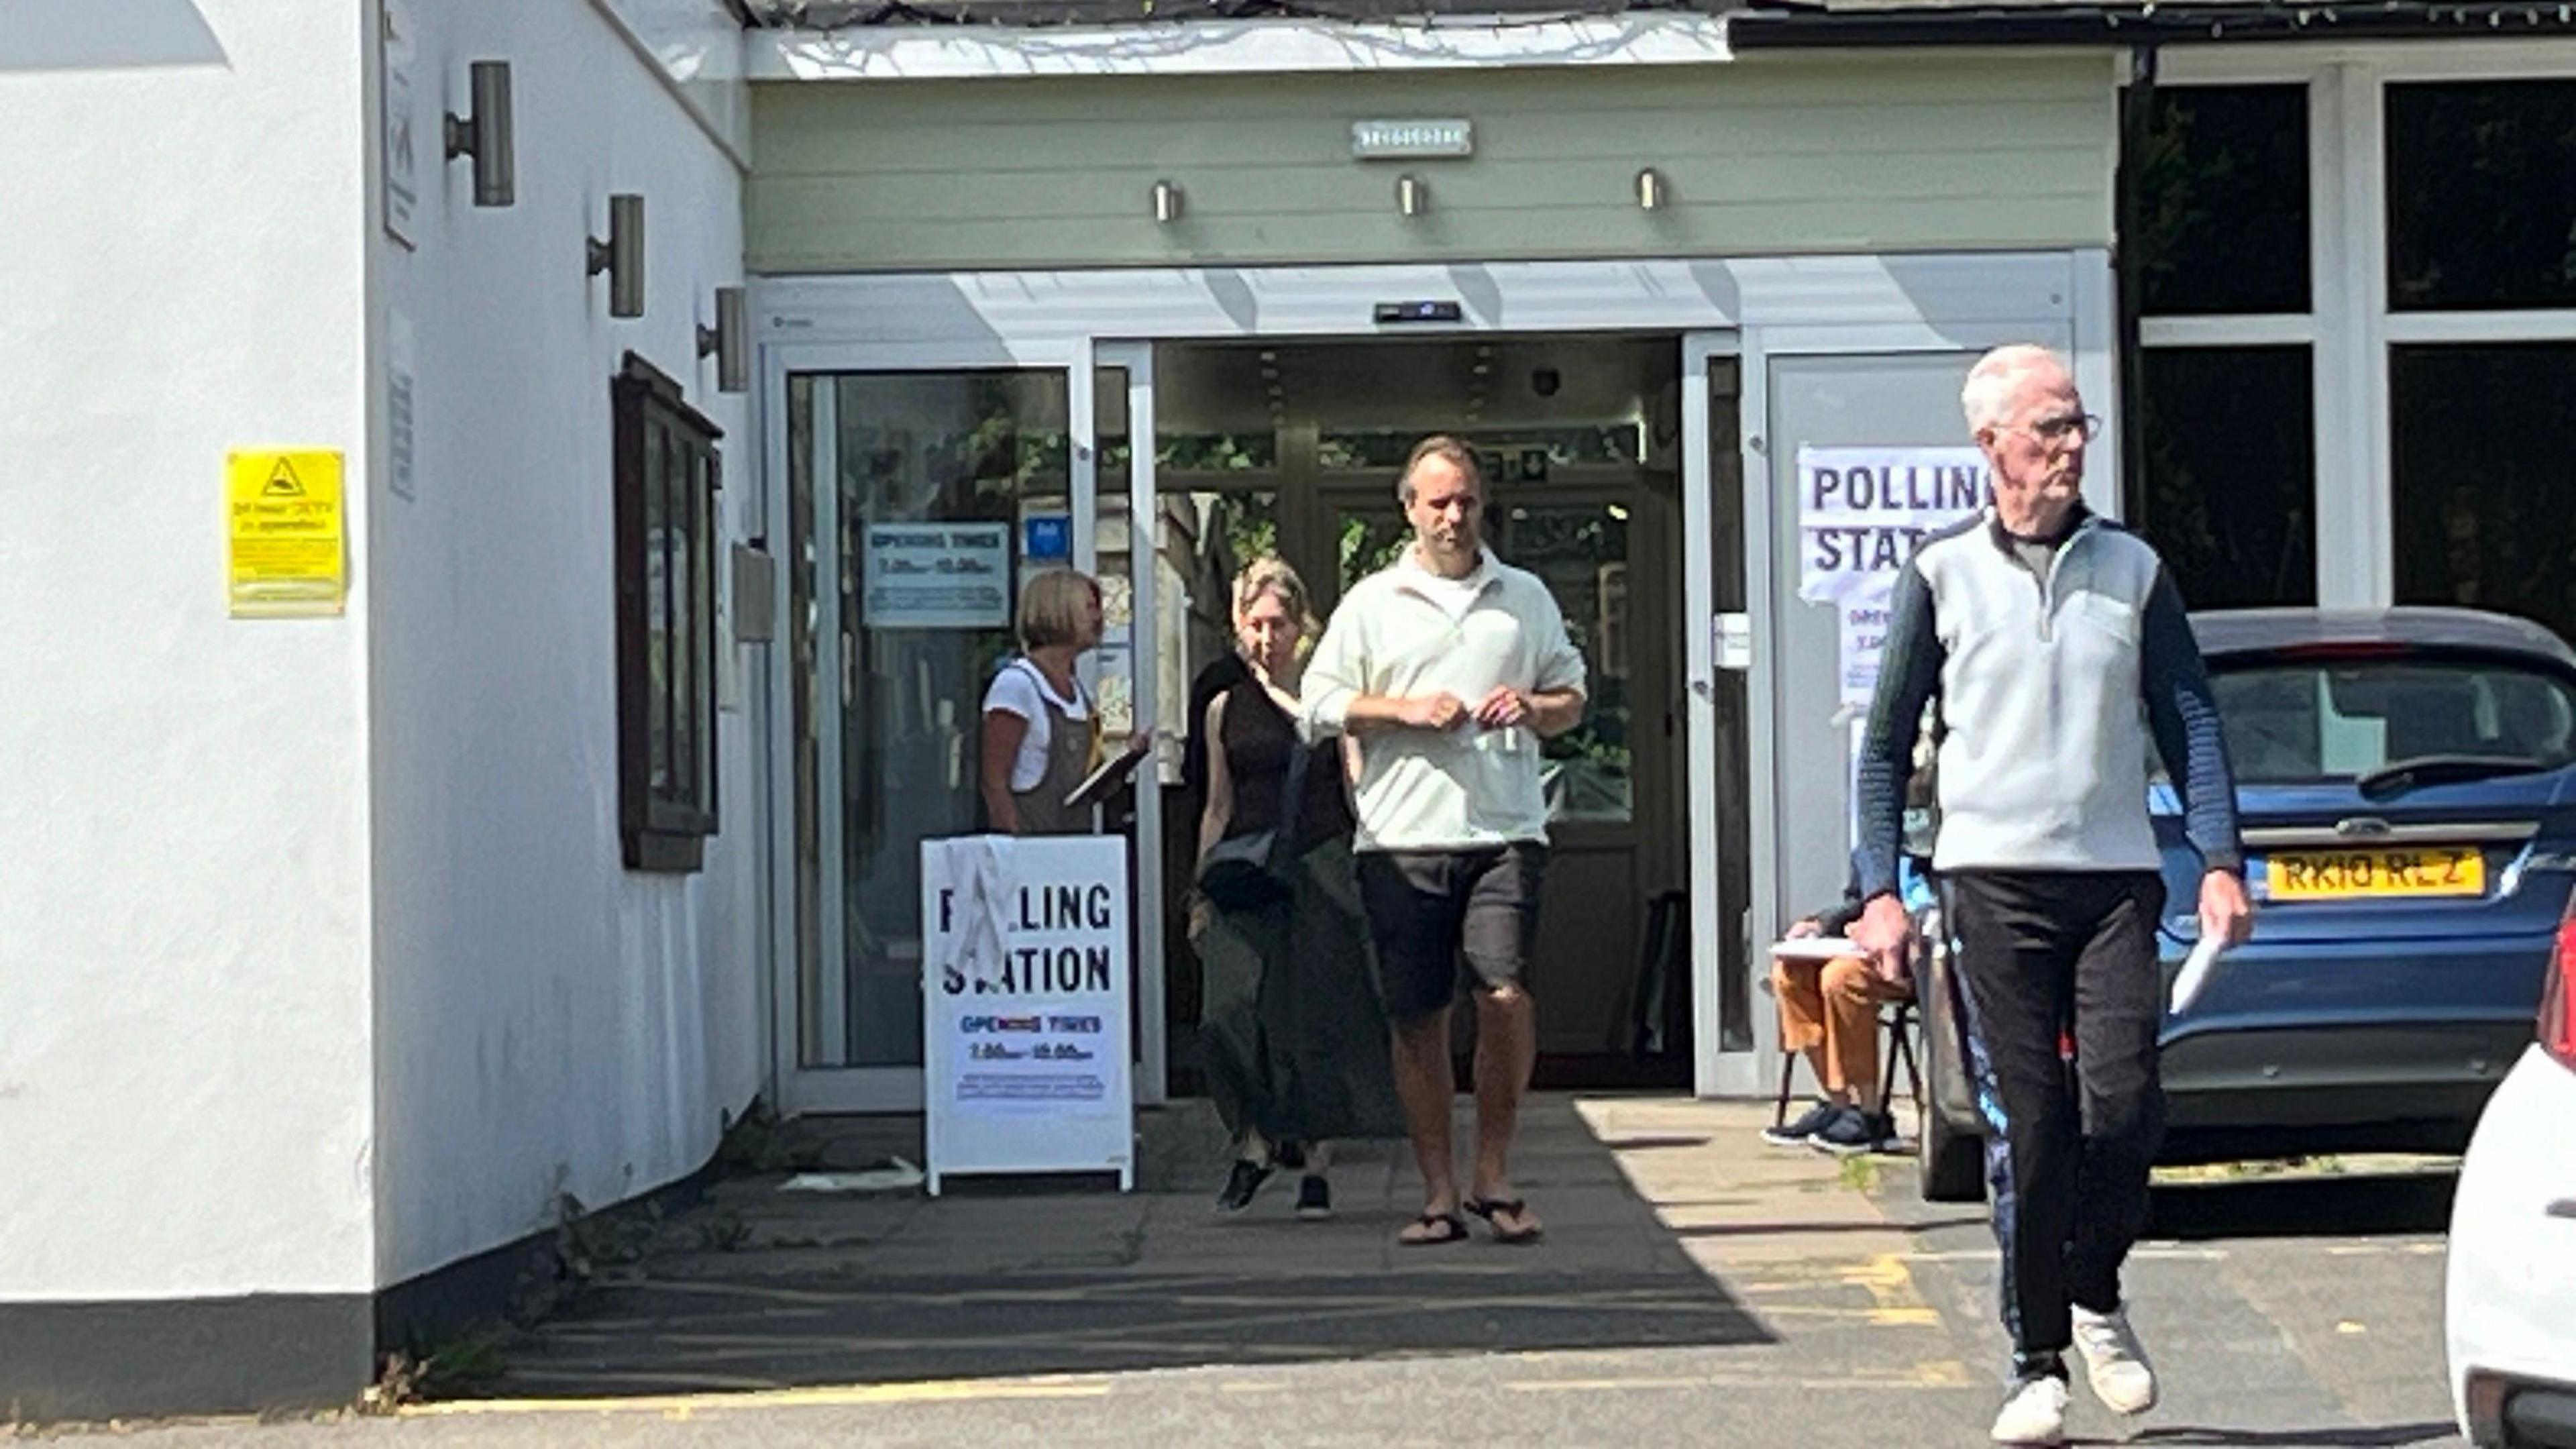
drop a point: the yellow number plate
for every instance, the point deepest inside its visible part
(2332, 875)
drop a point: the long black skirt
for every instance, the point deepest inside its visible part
(1294, 1037)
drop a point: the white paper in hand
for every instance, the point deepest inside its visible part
(2195, 972)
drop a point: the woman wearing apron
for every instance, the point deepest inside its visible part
(1041, 733)
(1295, 1042)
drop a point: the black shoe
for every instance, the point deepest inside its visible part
(1314, 1199)
(1804, 1126)
(1240, 1185)
(1853, 1132)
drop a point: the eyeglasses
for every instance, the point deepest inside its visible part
(2073, 427)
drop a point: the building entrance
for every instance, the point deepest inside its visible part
(1646, 425)
(1294, 448)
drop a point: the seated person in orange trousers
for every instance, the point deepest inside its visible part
(1829, 1011)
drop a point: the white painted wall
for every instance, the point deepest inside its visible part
(185, 1095)
(548, 1021)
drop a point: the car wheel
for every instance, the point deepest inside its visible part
(1949, 1163)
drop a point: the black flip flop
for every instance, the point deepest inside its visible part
(1488, 1207)
(1453, 1230)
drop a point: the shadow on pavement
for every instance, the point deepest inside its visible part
(754, 1288)
(2360, 1205)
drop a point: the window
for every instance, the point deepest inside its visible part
(2230, 473)
(2484, 438)
(2302, 722)
(2481, 314)
(667, 476)
(2225, 390)
(2224, 203)
(2480, 213)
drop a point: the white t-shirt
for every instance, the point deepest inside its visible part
(1022, 689)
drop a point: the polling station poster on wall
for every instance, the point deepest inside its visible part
(1861, 512)
(1025, 987)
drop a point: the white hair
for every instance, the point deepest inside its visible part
(1989, 390)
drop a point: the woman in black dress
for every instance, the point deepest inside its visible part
(1294, 1038)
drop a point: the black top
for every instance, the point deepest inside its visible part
(1257, 738)
(1222, 673)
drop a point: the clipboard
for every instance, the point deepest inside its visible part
(1103, 782)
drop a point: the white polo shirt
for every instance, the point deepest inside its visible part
(1404, 632)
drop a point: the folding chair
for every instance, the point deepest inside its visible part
(1898, 1021)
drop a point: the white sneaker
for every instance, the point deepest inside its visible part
(2113, 1361)
(2035, 1414)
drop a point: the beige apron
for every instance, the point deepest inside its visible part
(1071, 752)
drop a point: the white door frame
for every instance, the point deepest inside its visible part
(1766, 306)
(1714, 1071)
(1144, 660)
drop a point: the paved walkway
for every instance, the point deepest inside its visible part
(1695, 1287)
(763, 1289)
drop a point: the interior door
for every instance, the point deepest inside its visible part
(1606, 553)
(915, 501)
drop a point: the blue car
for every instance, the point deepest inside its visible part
(2407, 782)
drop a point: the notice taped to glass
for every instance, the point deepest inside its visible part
(938, 576)
(1024, 989)
(1861, 514)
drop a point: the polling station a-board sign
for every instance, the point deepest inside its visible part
(1024, 991)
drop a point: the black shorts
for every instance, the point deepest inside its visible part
(1426, 908)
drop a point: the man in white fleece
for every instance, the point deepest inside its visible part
(2054, 644)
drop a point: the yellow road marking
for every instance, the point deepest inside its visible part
(827, 1396)
(1892, 1317)
(1933, 1374)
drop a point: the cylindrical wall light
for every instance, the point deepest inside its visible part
(622, 255)
(1412, 194)
(1167, 202)
(485, 135)
(1653, 192)
(729, 341)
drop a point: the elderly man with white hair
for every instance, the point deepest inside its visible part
(2053, 645)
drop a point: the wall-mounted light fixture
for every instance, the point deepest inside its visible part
(622, 255)
(485, 135)
(1653, 192)
(729, 341)
(1412, 194)
(1167, 202)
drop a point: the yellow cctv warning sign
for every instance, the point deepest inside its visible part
(289, 554)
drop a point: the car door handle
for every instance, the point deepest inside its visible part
(2565, 1207)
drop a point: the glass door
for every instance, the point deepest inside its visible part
(1826, 399)
(916, 504)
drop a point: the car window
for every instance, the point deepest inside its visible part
(2296, 721)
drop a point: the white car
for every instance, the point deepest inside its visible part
(2510, 1311)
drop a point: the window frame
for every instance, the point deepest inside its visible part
(664, 828)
